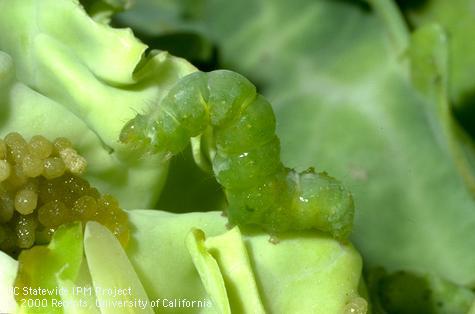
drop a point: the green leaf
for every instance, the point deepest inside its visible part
(52, 120)
(43, 267)
(472, 309)
(209, 271)
(456, 18)
(153, 17)
(304, 272)
(429, 72)
(8, 269)
(231, 254)
(102, 10)
(227, 254)
(405, 292)
(94, 278)
(111, 269)
(316, 273)
(63, 74)
(345, 103)
(158, 253)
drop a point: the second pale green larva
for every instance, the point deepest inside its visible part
(260, 190)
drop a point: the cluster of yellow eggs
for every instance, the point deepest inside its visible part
(41, 189)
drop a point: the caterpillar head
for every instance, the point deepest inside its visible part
(134, 133)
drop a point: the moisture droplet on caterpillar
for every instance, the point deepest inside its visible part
(41, 189)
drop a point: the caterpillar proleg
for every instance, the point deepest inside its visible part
(260, 190)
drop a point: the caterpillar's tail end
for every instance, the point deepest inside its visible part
(133, 133)
(324, 204)
(341, 219)
(292, 201)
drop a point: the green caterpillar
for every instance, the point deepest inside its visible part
(245, 157)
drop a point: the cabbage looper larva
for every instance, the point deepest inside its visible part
(246, 155)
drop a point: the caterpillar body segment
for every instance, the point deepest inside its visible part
(260, 190)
